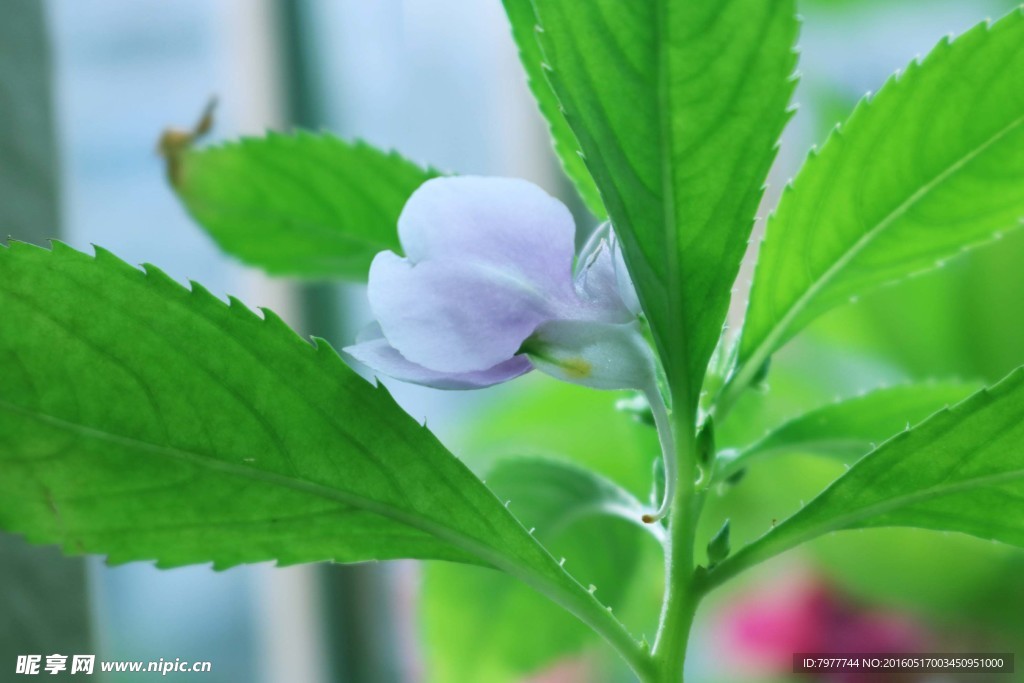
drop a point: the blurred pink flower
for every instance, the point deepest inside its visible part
(761, 632)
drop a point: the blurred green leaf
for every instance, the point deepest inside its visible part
(848, 429)
(974, 333)
(539, 416)
(960, 470)
(929, 166)
(807, 374)
(145, 421)
(943, 577)
(524, 31)
(677, 108)
(482, 626)
(556, 494)
(917, 4)
(303, 204)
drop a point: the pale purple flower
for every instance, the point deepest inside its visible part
(487, 290)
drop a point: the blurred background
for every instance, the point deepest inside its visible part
(439, 80)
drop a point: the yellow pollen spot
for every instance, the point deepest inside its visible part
(577, 368)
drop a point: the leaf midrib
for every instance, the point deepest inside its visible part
(775, 542)
(676, 313)
(553, 580)
(227, 208)
(762, 449)
(449, 534)
(781, 327)
(936, 491)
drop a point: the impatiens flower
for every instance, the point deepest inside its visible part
(487, 291)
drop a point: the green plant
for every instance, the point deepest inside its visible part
(143, 420)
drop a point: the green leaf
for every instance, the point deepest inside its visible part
(142, 420)
(677, 107)
(847, 429)
(523, 19)
(482, 626)
(960, 470)
(305, 205)
(931, 165)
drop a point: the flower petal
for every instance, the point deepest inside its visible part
(385, 359)
(594, 354)
(450, 316)
(488, 260)
(508, 224)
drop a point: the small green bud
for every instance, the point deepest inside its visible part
(762, 373)
(706, 442)
(638, 407)
(718, 546)
(736, 477)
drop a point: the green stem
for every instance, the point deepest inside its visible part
(682, 593)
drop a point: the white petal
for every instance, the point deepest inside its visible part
(509, 225)
(380, 356)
